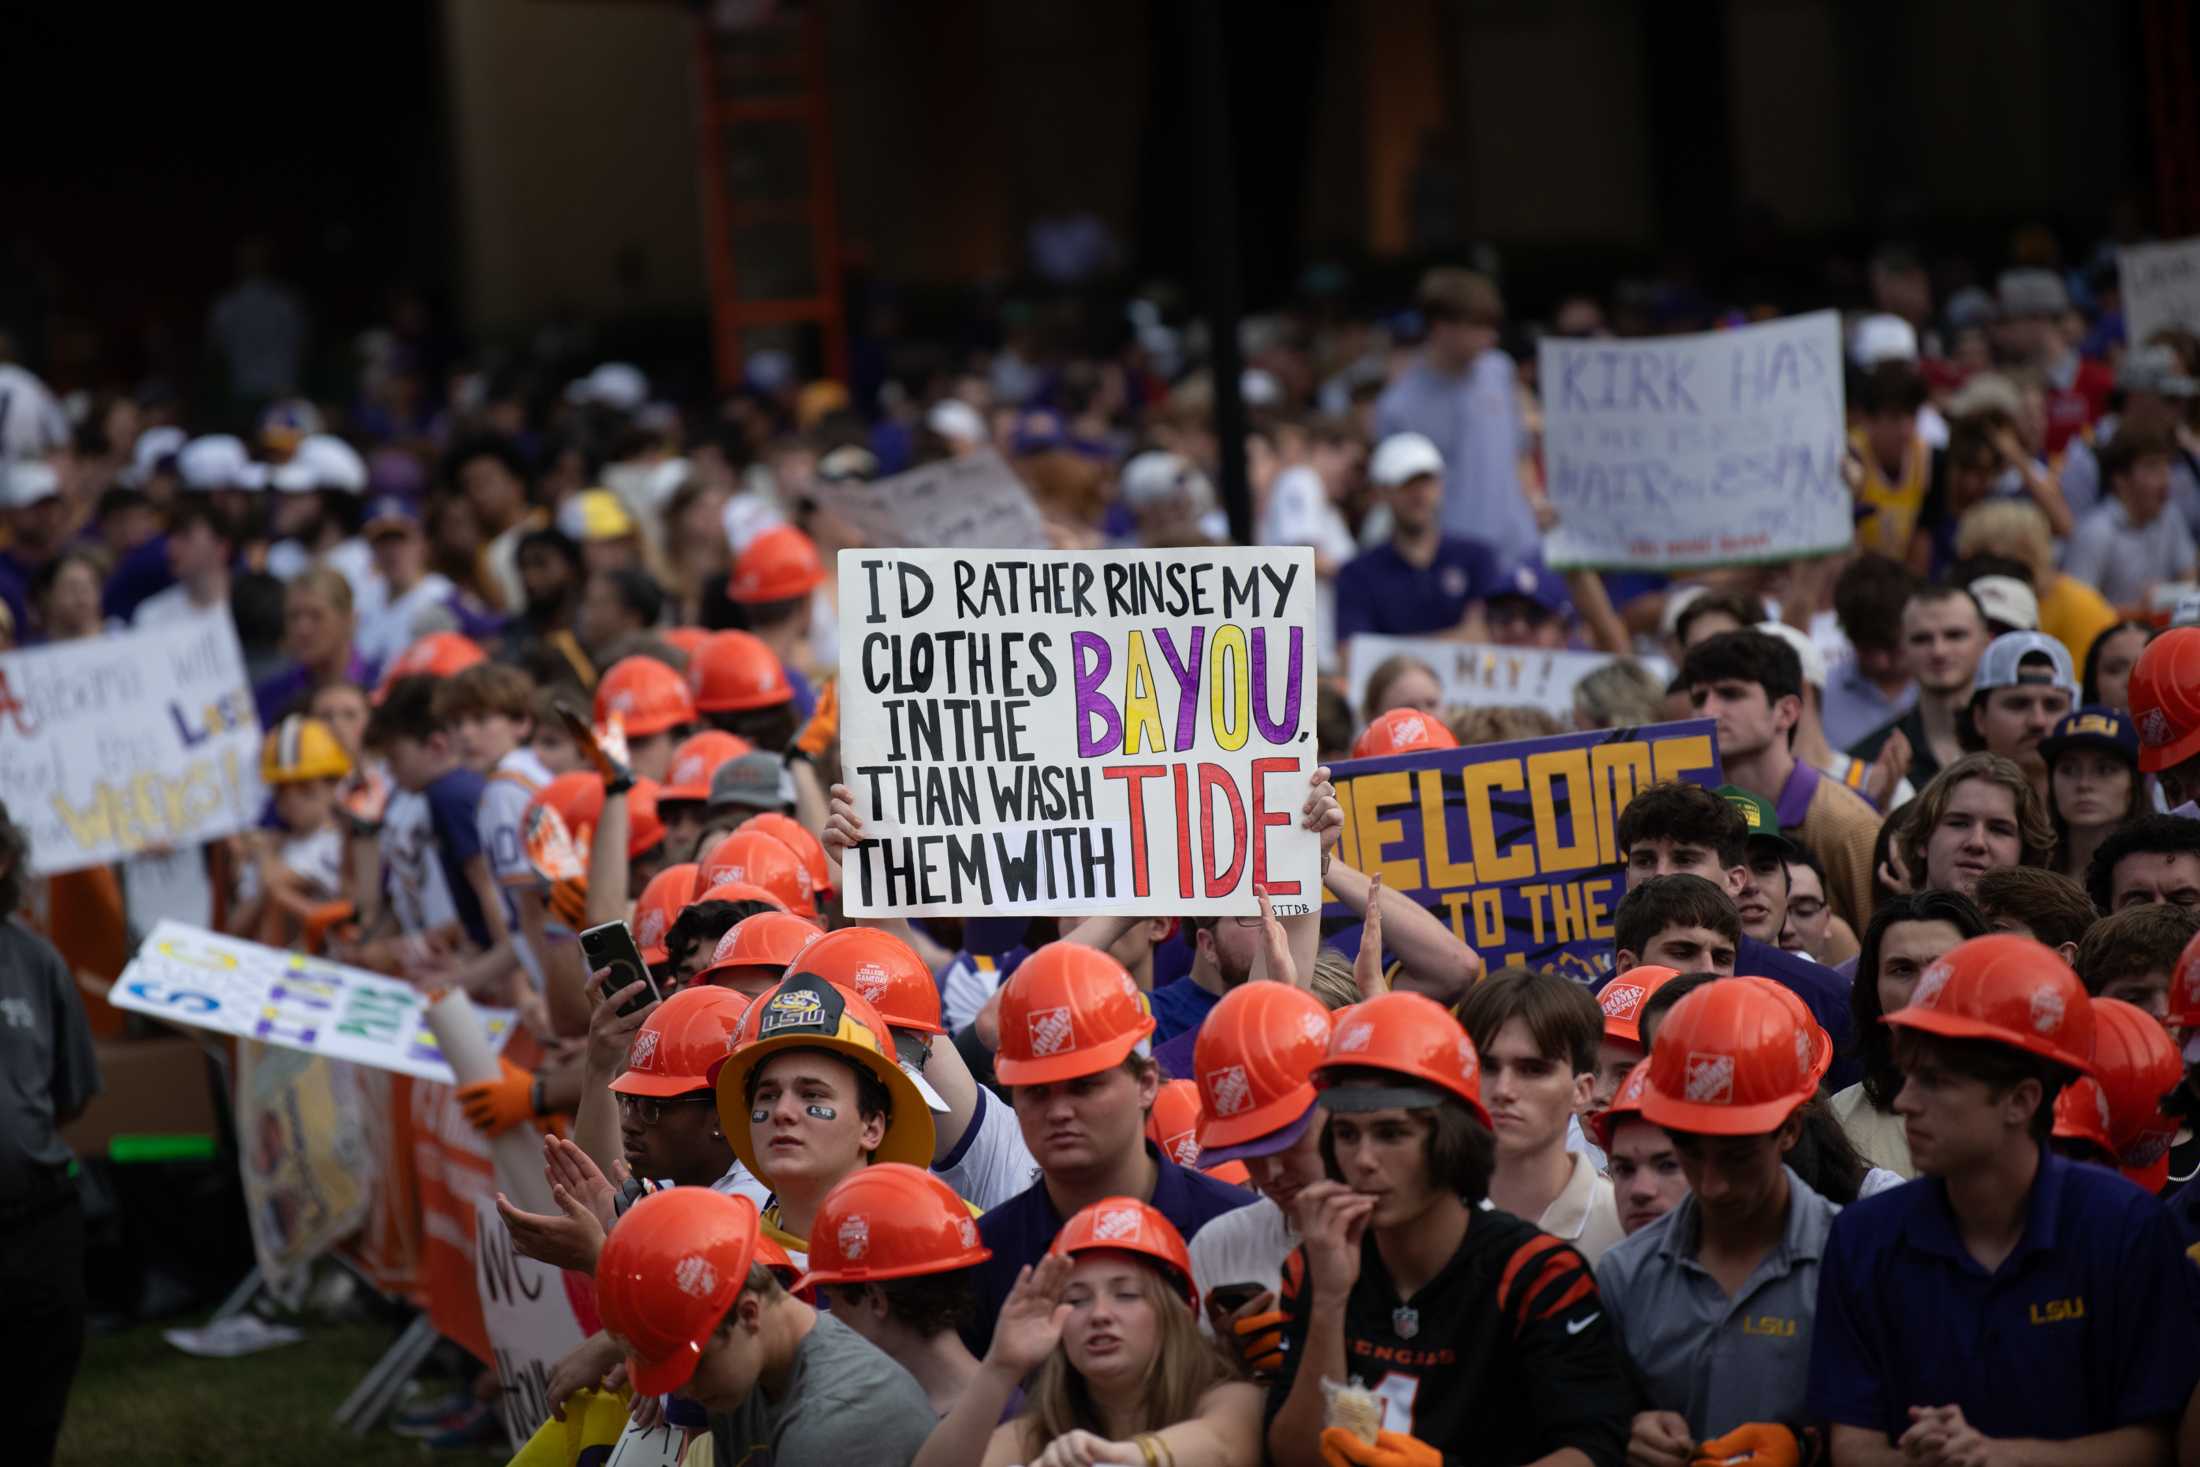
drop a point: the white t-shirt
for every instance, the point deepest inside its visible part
(1246, 1246)
(318, 858)
(968, 982)
(419, 897)
(164, 608)
(991, 1163)
(385, 627)
(499, 821)
(741, 1182)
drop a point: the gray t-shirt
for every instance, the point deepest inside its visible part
(847, 1403)
(47, 1069)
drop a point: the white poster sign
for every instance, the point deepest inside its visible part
(972, 503)
(530, 1319)
(1718, 449)
(2159, 285)
(1078, 731)
(206, 980)
(115, 743)
(1473, 675)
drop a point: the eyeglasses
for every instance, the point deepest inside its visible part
(651, 1109)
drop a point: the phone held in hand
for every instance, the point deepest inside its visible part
(1230, 1298)
(612, 946)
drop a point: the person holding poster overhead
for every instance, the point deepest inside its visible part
(1461, 395)
(46, 1053)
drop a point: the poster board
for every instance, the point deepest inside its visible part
(973, 503)
(1722, 448)
(1078, 731)
(208, 980)
(1475, 675)
(306, 1158)
(1512, 846)
(114, 743)
(530, 1315)
(2159, 286)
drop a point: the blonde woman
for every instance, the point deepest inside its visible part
(2071, 612)
(1109, 1320)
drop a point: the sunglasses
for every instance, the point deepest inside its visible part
(651, 1109)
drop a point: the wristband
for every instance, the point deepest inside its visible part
(622, 785)
(1144, 1442)
(534, 1096)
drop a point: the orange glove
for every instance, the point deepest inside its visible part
(1756, 1443)
(824, 726)
(495, 1106)
(1259, 1341)
(1343, 1448)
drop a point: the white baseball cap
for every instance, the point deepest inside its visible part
(26, 481)
(218, 461)
(1882, 338)
(956, 420)
(1157, 476)
(616, 385)
(1806, 651)
(321, 461)
(2009, 601)
(2002, 665)
(1402, 458)
(154, 446)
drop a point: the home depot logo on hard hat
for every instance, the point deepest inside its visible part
(644, 1050)
(1620, 999)
(694, 1276)
(1118, 1224)
(1232, 1091)
(1050, 1030)
(855, 1236)
(2047, 1010)
(1710, 1079)
(871, 981)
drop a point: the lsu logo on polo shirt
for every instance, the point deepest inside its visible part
(2057, 1311)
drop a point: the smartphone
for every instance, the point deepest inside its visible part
(612, 946)
(1230, 1298)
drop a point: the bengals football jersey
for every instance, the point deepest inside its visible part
(1505, 1356)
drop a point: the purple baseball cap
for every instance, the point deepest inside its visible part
(1268, 1145)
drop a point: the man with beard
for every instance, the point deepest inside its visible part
(541, 637)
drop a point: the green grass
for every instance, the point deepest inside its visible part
(138, 1399)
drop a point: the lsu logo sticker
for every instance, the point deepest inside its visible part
(792, 1008)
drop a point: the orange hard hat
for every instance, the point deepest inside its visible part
(1068, 1010)
(890, 1221)
(1627, 1101)
(696, 760)
(558, 825)
(1402, 731)
(438, 654)
(678, 1043)
(736, 891)
(733, 671)
(2184, 990)
(1254, 1065)
(796, 837)
(884, 969)
(659, 906)
(1623, 998)
(757, 859)
(778, 565)
(1406, 1034)
(646, 697)
(1127, 1225)
(668, 1273)
(685, 639)
(1821, 1043)
(1730, 1060)
(2006, 990)
(2165, 699)
(645, 828)
(2136, 1065)
(2081, 1114)
(808, 1013)
(1173, 1125)
(768, 940)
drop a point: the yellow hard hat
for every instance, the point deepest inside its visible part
(594, 514)
(302, 748)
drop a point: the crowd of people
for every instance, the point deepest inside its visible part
(1872, 1144)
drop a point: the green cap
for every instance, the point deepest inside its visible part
(1757, 814)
